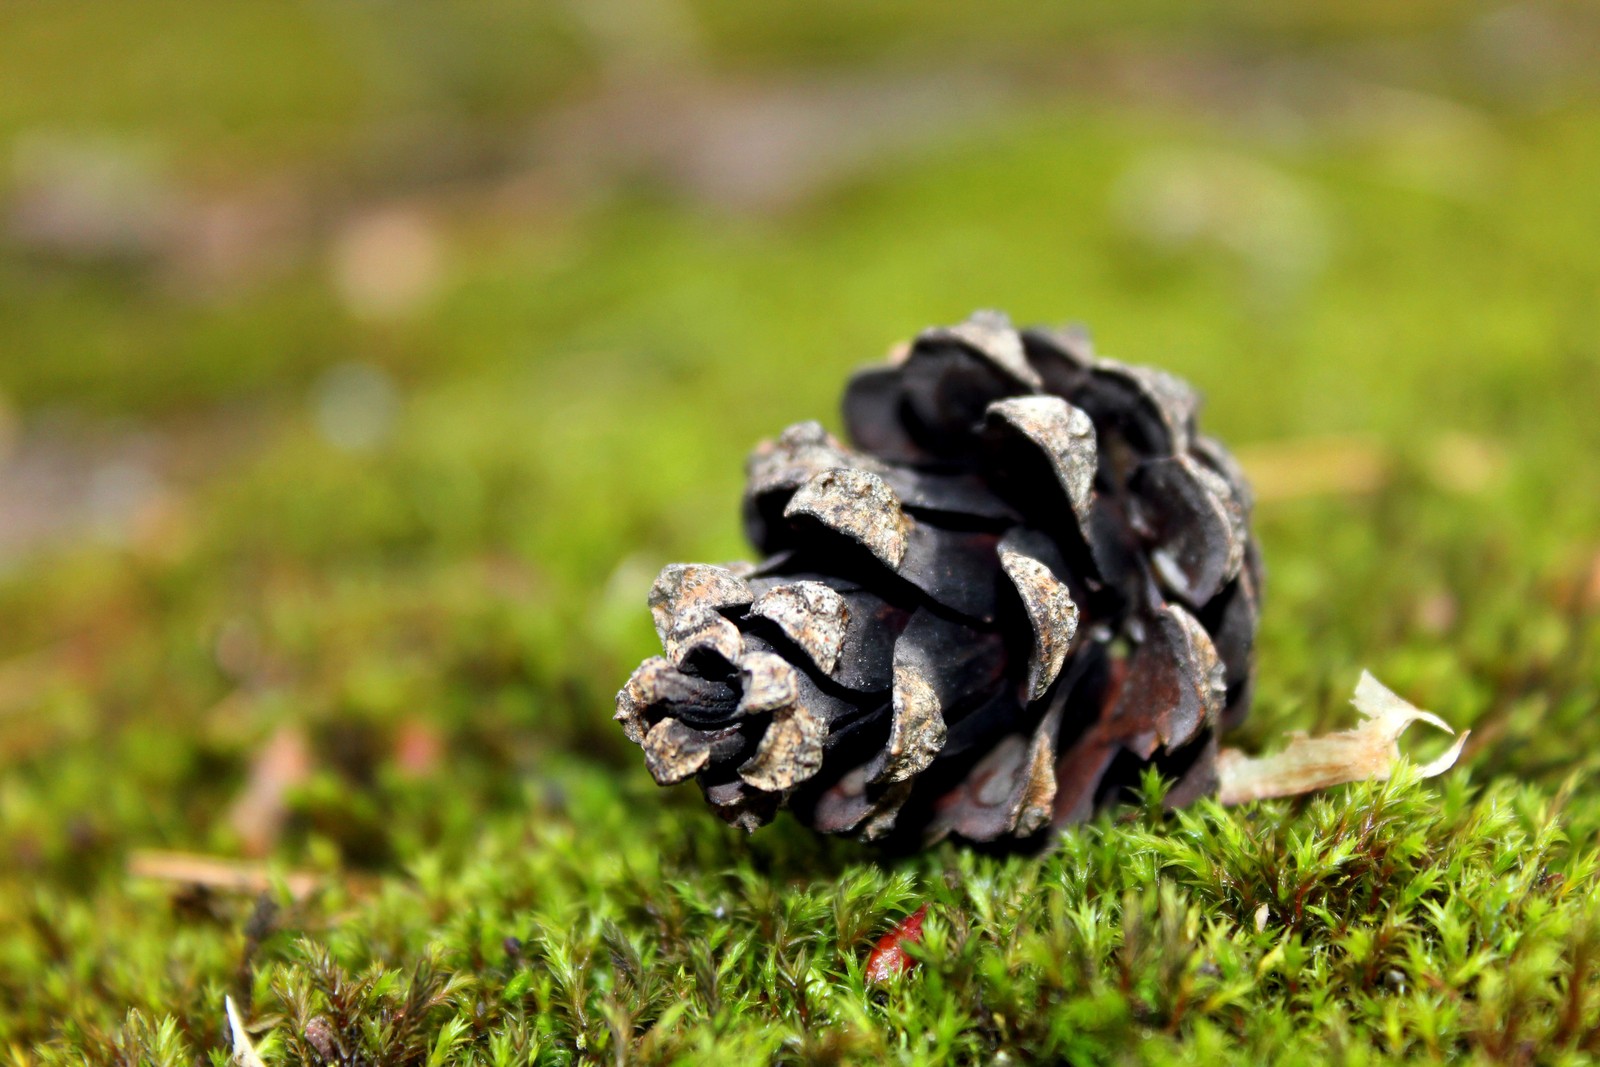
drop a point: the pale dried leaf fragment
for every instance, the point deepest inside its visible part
(244, 1050)
(1369, 752)
(261, 810)
(219, 875)
(1303, 468)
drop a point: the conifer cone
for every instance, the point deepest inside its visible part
(1030, 579)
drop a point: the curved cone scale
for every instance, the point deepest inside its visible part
(1050, 609)
(946, 390)
(1154, 409)
(988, 335)
(770, 683)
(1195, 526)
(1210, 453)
(956, 660)
(658, 689)
(852, 805)
(741, 804)
(1028, 579)
(1174, 686)
(800, 453)
(873, 416)
(955, 570)
(866, 655)
(1064, 434)
(790, 750)
(776, 469)
(916, 732)
(856, 504)
(701, 631)
(960, 497)
(869, 628)
(684, 586)
(1010, 792)
(954, 372)
(1232, 624)
(812, 615)
(1061, 358)
(803, 451)
(1079, 773)
(674, 752)
(635, 696)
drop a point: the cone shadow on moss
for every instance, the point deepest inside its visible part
(1030, 580)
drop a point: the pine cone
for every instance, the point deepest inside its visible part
(1031, 580)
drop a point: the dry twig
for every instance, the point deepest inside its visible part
(212, 872)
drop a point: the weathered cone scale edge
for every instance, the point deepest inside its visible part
(1030, 579)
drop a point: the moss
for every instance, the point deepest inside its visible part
(1389, 920)
(442, 618)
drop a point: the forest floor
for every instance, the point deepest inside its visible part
(360, 365)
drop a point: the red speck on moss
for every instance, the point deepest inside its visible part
(888, 955)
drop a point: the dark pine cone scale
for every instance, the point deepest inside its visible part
(1030, 580)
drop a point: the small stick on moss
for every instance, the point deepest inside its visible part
(259, 813)
(1315, 466)
(211, 872)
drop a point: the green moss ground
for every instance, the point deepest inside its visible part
(446, 615)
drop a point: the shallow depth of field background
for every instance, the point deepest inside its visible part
(360, 363)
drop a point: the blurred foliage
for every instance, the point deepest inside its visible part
(361, 363)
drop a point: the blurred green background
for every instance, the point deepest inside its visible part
(361, 362)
